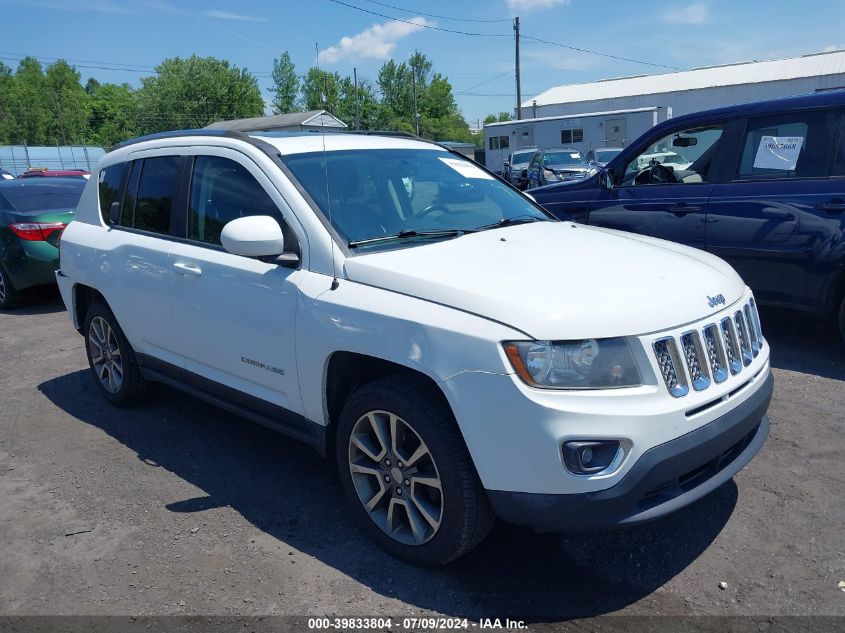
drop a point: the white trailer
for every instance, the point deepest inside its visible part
(615, 128)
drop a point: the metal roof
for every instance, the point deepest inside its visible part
(814, 65)
(584, 115)
(316, 118)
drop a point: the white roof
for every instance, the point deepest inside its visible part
(814, 65)
(305, 143)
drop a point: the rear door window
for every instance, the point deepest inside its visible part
(791, 145)
(158, 188)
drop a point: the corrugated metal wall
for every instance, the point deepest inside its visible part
(18, 158)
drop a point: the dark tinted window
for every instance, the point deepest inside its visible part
(44, 195)
(793, 145)
(157, 190)
(221, 191)
(109, 187)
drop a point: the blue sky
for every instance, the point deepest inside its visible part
(138, 34)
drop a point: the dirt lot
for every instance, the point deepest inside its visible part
(177, 508)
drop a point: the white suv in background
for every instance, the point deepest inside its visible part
(456, 350)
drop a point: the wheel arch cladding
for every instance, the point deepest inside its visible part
(348, 371)
(83, 297)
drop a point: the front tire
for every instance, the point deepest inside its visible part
(407, 475)
(111, 358)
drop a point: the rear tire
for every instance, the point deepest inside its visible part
(429, 510)
(111, 358)
(9, 296)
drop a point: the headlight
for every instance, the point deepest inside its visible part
(586, 364)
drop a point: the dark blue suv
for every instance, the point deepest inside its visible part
(761, 185)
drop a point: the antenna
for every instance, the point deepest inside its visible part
(335, 282)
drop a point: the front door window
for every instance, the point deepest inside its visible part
(682, 157)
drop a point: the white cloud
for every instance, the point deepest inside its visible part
(376, 42)
(693, 14)
(533, 5)
(237, 17)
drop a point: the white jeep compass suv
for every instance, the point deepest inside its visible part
(459, 352)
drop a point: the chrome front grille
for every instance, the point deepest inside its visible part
(710, 354)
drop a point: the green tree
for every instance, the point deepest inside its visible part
(28, 98)
(497, 118)
(369, 109)
(113, 115)
(440, 118)
(7, 84)
(193, 92)
(285, 85)
(320, 90)
(67, 103)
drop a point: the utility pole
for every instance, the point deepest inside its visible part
(518, 87)
(416, 113)
(357, 114)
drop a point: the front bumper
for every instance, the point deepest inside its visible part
(664, 479)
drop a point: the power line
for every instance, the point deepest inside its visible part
(486, 81)
(528, 37)
(434, 15)
(424, 26)
(585, 50)
(84, 61)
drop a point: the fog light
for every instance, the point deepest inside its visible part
(588, 457)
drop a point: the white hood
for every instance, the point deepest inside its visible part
(558, 280)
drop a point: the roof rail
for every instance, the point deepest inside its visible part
(395, 133)
(175, 133)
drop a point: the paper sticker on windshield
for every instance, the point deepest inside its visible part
(466, 169)
(575, 155)
(778, 152)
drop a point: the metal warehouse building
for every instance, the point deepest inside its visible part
(614, 112)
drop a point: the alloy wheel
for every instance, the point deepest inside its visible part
(2, 288)
(395, 477)
(105, 354)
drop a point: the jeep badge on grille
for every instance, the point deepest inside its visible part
(717, 300)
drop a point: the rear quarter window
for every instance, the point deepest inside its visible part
(109, 186)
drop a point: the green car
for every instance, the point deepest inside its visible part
(33, 214)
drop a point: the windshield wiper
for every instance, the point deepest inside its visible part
(520, 219)
(403, 235)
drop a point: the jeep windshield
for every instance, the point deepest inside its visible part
(377, 198)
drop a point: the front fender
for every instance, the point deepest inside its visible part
(435, 340)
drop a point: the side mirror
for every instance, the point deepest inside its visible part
(507, 163)
(114, 213)
(607, 179)
(253, 236)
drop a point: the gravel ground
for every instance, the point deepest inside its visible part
(175, 507)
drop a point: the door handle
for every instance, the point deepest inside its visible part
(187, 269)
(835, 205)
(682, 208)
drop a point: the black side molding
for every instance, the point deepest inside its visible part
(254, 409)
